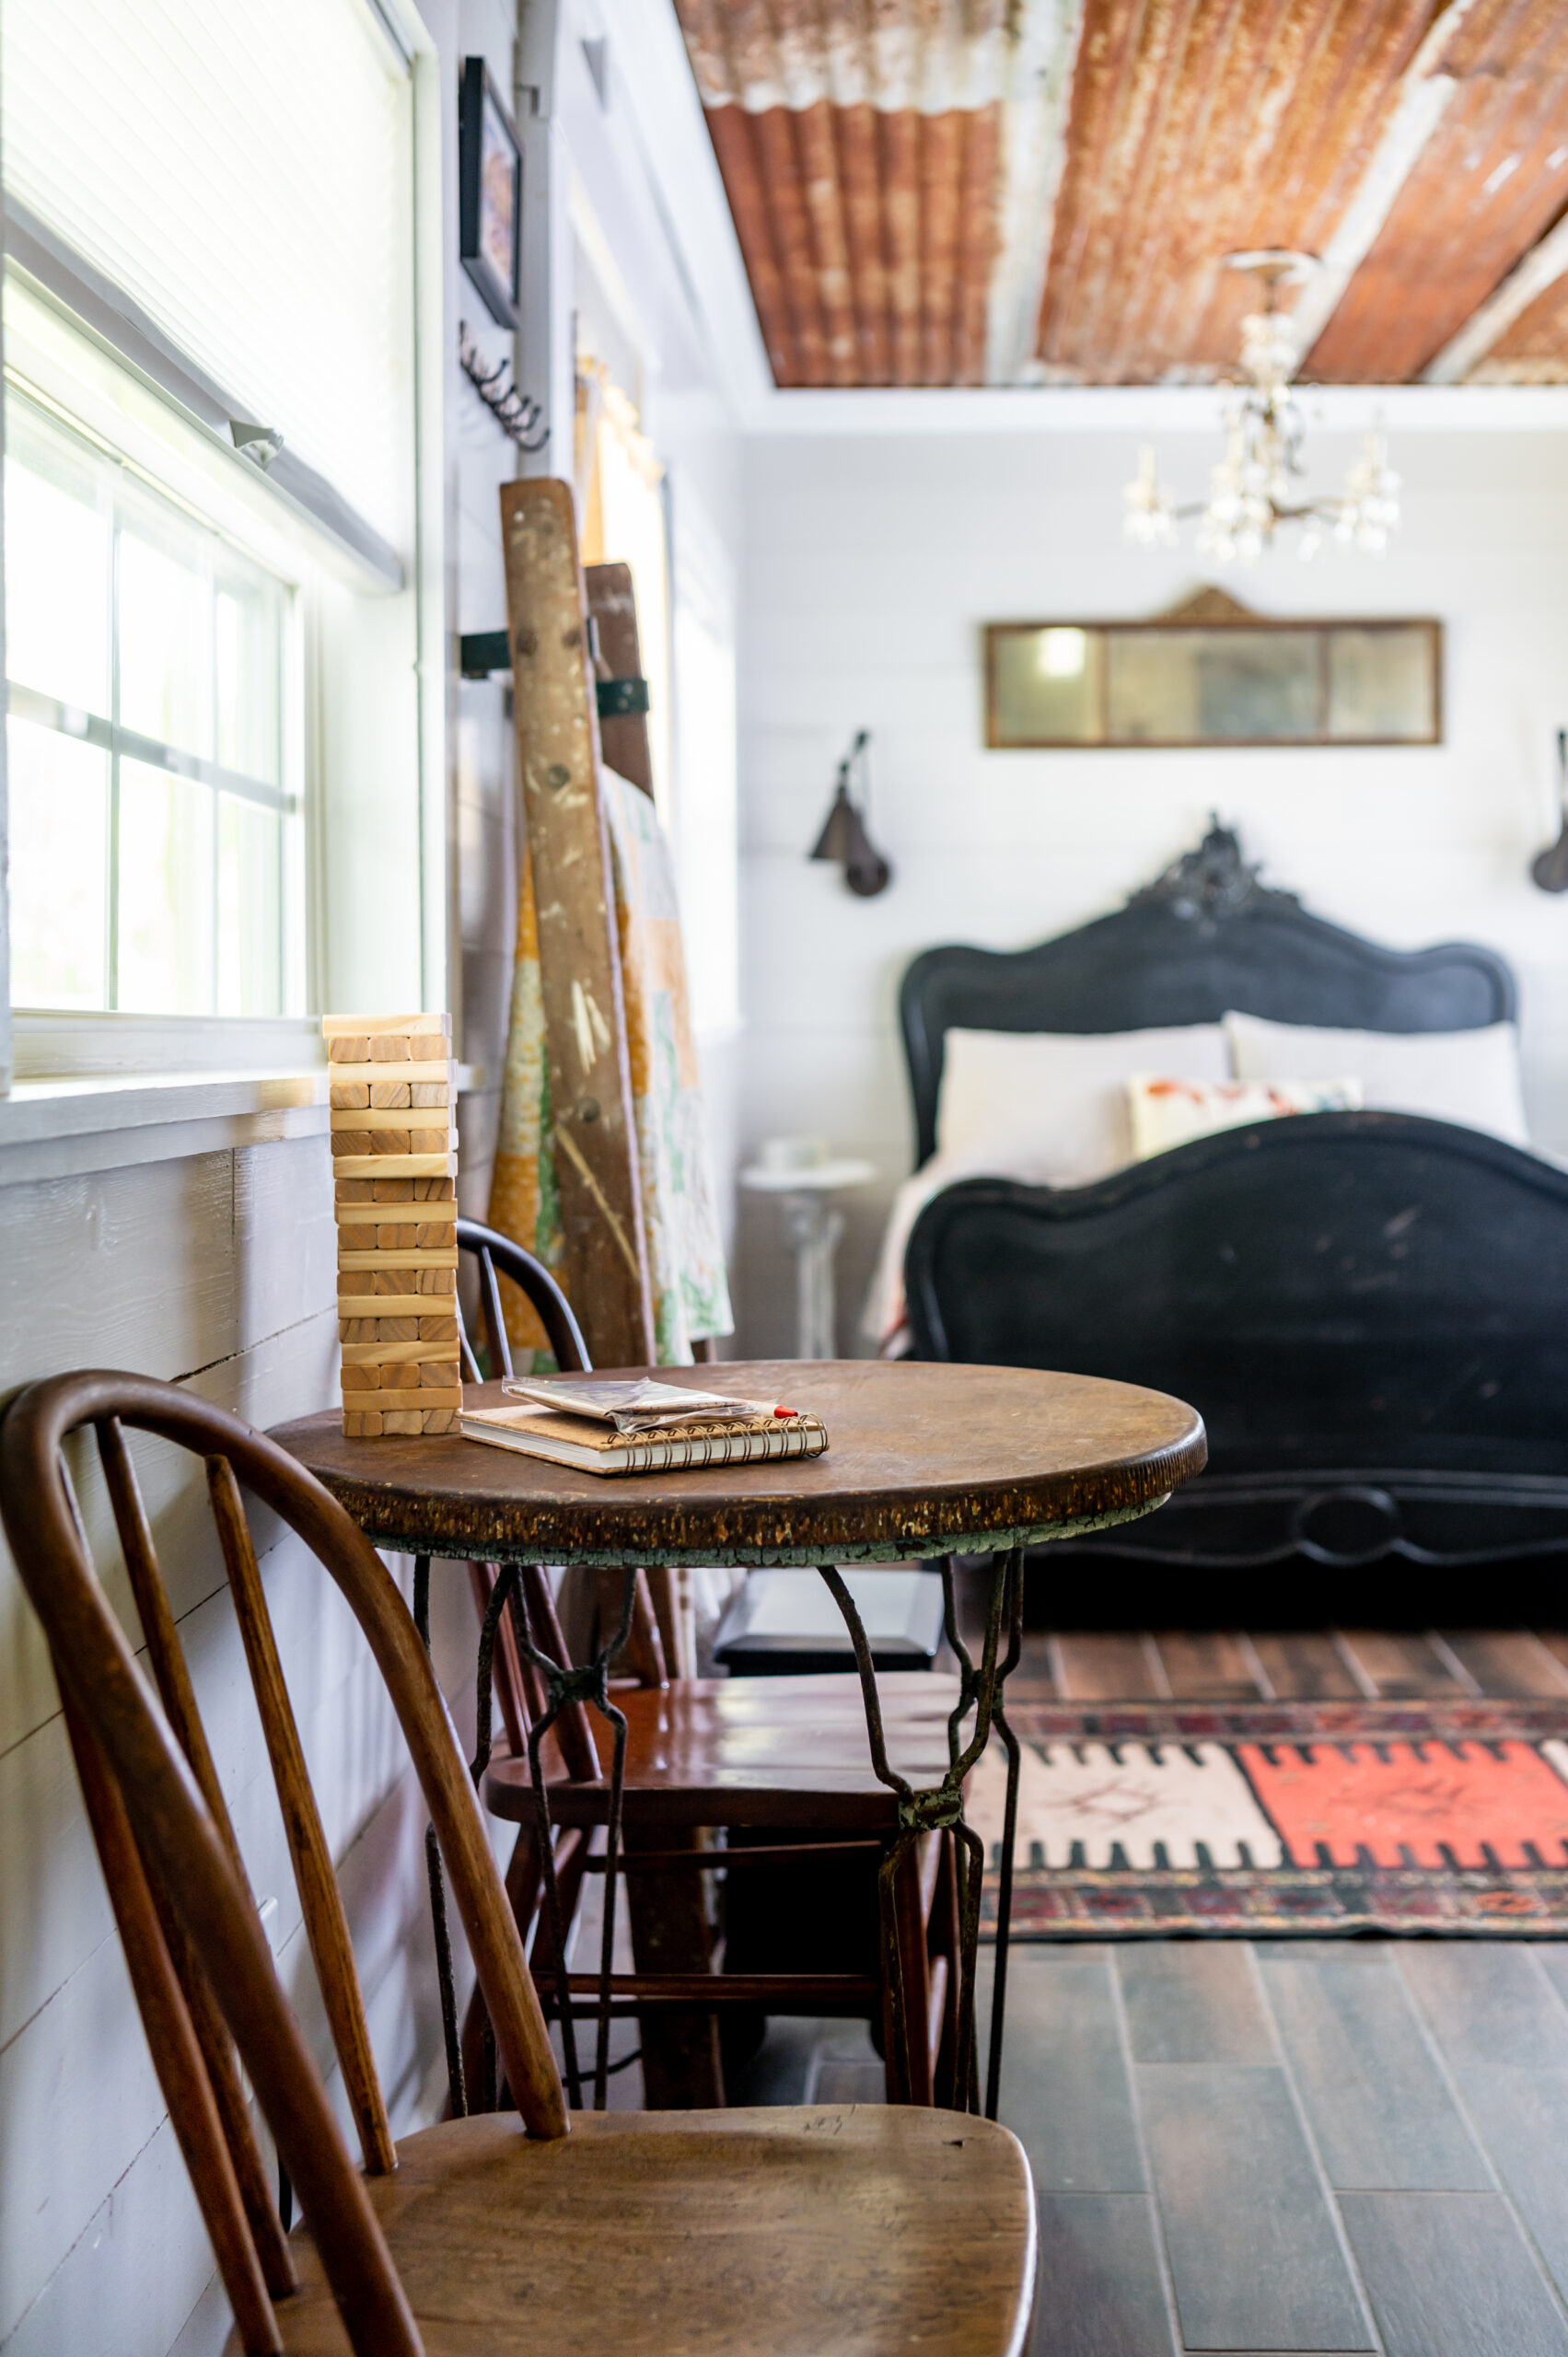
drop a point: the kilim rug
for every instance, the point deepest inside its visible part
(1146, 1820)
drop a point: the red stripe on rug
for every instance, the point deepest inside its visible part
(1464, 1798)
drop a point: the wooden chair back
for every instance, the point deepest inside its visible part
(198, 1956)
(498, 1257)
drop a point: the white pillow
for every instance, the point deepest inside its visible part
(1054, 1103)
(1470, 1077)
(1167, 1112)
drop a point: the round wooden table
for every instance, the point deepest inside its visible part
(923, 1460)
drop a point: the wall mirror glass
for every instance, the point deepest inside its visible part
(1212, 673)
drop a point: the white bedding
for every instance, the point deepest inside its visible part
(1051, 1108)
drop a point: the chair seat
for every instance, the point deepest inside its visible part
(752, 1752)
(787, 2233)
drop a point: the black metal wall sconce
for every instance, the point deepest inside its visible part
(844, 837)
(1549, 868)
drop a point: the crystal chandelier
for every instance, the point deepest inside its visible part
(1259, 484)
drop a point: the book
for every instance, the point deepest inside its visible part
(593, 1445)
(641, 1403)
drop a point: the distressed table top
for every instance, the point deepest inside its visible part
(922, 1460)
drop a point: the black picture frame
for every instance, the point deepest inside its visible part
(489, 192)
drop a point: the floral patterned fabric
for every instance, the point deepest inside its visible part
(690, 1294)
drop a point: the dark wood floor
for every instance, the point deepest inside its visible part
(1284, 2145)
(1185, 1664)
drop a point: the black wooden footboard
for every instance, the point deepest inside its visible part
(1369, 1310)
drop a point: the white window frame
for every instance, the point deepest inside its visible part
(378, 787)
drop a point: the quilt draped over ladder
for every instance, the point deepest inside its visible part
(686, 1270)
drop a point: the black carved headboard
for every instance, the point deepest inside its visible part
(1205, 936)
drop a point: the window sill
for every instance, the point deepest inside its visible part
(57, 1128)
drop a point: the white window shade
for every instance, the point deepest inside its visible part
(245, 176)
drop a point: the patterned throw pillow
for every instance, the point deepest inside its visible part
(1167, 1112)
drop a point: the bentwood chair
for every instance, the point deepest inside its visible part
(782, 1766)
(773, 2232)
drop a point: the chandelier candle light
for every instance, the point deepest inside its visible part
(1259, 482)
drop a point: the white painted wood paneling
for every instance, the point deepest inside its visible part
(872, 565)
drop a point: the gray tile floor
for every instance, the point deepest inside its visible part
(1275, 2146)
(1293, 2146)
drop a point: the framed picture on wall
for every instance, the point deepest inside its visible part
(489, 192)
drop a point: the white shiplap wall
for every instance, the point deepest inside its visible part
(216, 1270)
(871, 564)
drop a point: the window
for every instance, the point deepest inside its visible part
(214, 457)
(151, 742)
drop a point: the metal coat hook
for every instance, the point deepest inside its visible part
(513, 413)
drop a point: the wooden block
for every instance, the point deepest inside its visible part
(390, 1096)
(351, 1094)
(358, 1378)
(399, 1374)
(431, 1070)
(439, 1374)
(361, 1424)
(355, 1190)
(352, 1049)
(438, 1419)
(356, 1117)
(431, 1235)
(395, 1282)
(391, 1048)
(435, 1190)
(357, 1282)
(396, 1329)
(395, 1191)
(387, 1350)
(379, 1261)
(401, 1426)
(367, 1215)
(335, 1026)
(397, 1397)
(438, 1329)
(431, 1140)
(404, 1165)
(359, 1142)
(429, 1092)
(400, 1237)
(438, 1280)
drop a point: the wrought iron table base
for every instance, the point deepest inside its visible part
(937, 1809)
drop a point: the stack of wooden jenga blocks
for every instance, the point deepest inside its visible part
(395, 1171)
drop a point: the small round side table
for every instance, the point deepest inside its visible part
(923, 1460)
(814, 1227)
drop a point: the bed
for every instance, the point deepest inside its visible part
(1369, 1308)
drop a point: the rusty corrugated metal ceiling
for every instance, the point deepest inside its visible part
(1017, 192)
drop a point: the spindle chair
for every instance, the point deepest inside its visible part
(772, 2232)
(735, 1754)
